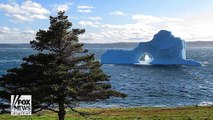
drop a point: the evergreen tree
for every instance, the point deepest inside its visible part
(61, 75)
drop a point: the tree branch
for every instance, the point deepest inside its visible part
(84, 114)
(42, 108)
(52, 110)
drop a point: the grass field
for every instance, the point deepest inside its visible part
(140, 113)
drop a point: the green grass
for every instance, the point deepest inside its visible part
(140, 113)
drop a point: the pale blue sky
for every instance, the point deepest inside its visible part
(109, 20)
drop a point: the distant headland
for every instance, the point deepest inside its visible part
(111, 45)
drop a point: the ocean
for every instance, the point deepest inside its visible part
(146, 85)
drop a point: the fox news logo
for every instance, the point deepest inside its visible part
(21, 104)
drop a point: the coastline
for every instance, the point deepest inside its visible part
(136, 113)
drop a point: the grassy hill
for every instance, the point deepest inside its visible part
(140, 113)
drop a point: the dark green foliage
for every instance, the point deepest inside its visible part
(61, 75)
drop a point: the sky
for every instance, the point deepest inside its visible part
(109, 21)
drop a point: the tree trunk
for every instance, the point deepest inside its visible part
(62, 111)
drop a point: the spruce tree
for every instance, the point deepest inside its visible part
(62, 74)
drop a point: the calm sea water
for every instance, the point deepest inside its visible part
(167, 86)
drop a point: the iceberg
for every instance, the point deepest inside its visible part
(163, 49)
